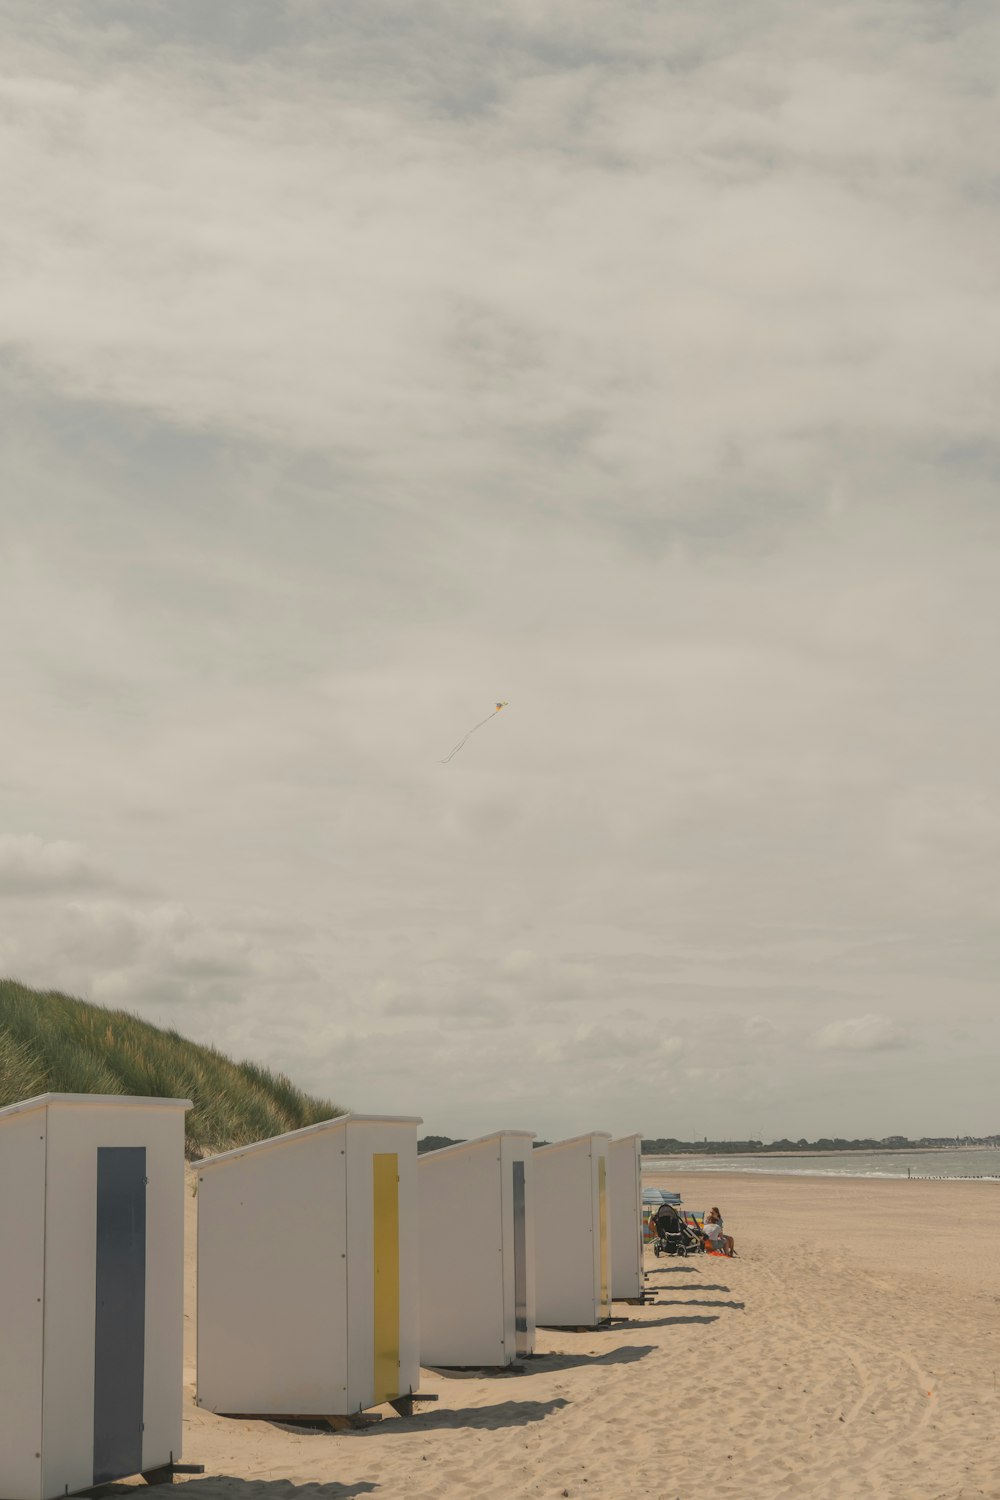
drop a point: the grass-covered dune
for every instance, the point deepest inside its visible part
(52, 1043)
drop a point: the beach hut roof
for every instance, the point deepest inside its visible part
(573, 1140)
(337, 1123)
(479, 1140)
(126, 1101)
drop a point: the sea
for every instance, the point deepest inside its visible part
(971, 1162)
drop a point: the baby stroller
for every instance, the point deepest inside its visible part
(673, 1236)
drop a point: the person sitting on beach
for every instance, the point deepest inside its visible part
(714, 1234)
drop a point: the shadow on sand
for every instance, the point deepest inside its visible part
(503, 1414)
(542, 1364)
(699, 1302)
(627, 1354)
(223, 1485)
(429, 1418)
(639, 1323)
(702, 1286)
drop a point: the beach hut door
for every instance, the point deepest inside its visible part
(385, 1185)
(602, 1228)
(120, 1321)
(520, 1265)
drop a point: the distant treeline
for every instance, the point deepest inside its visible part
(435, 1143)
(438, 1143)
(669, 1146)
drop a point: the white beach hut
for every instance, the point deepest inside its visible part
(308, 1291)
(477, 1272)
(625, 1200)
(91, 1290)
(573, 1261)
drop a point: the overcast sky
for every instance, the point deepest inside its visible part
(364, 363)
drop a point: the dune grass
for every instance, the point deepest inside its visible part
(53, 1043)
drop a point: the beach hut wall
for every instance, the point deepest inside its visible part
(308, 1288)
(625, 1207)
(91, 1290)
(573, 1260)
(477, 1270)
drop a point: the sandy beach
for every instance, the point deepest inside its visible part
(851, 1349)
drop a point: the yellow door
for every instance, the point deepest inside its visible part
(602, 1192)
(385, 1226)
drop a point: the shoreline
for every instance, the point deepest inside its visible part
(817, 1174)
(818, 1151)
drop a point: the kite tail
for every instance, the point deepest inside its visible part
(468, 736)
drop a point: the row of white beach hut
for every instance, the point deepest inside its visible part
(332, 1263)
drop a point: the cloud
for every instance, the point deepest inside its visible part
(518, 962)
(157, 959)
(612, 1045)
(570, 283)
(165, 938)
(871, 1033)
(31, 866)
(760, 1029)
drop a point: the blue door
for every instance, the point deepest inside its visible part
(120, 1324)
(520, 1264)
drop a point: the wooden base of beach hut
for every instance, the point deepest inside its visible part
(91, 1291)
(477, 1272)
(625, 1208)
(573, 1262)
(308, 1293)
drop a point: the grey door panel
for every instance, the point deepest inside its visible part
(520, 1264)
(120, 1323)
